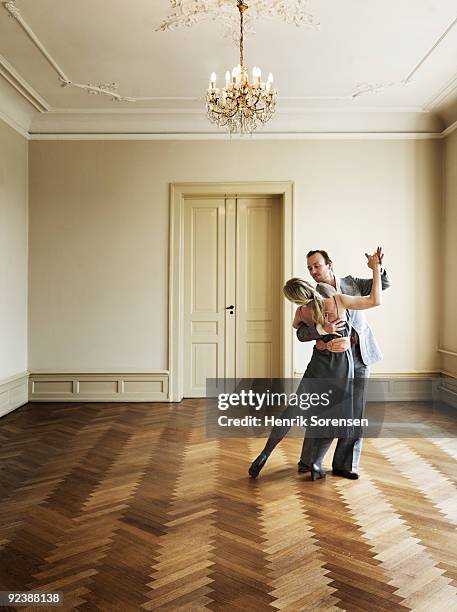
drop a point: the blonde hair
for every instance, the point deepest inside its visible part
(301, 292)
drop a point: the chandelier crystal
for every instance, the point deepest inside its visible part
(241, 105)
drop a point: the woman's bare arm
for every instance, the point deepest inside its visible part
(363, 302)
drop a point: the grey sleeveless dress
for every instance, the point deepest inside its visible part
(326, 372)
(331, 373)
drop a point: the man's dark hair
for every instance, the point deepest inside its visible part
(324, 254)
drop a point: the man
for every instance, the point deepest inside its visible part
(365, 352)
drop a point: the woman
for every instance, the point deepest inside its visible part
(313, 309)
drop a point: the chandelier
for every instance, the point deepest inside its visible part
(240, 106)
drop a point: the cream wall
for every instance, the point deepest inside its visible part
(448, 257)
(99, 238)
(13, 252)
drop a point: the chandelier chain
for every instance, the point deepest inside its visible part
(241, 7)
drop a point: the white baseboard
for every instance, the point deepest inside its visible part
(13, 392)
(98, 387)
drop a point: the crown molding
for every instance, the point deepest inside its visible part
(14, 109)
(193, 121)
(188, 124)
(443, 94)
(449, 130)
(13, 124)
(259, 137)
(196, 109)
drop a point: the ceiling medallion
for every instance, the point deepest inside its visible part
(240, 105)
(188, 12)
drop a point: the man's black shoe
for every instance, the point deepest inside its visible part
(345, 474)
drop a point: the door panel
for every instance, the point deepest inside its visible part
(258, 287)
(230, 283)
(204, 294)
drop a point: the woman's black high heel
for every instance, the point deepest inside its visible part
(257, 465)
(317, 472)
(303, 468)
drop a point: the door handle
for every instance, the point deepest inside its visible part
(230, 308)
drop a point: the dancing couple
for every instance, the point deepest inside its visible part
(332, 315)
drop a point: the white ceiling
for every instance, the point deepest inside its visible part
(316, 70)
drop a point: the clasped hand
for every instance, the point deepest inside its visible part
(375, 261)
(337, 345)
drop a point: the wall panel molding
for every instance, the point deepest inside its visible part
(448, 362)
(448, 389)
(446, 352)
(402, 386)
(98, 387)
(13, 392)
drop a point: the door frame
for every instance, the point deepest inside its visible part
(178, 193)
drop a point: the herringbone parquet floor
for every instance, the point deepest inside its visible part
(131, 507)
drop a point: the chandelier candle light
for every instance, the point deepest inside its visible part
(240, 105)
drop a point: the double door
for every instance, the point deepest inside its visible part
(232, 293)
